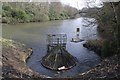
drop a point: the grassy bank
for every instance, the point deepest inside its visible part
(103, 47)
(14, 56)
(95, 45)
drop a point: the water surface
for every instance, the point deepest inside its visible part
(34, 35)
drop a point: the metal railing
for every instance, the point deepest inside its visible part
(55, 40)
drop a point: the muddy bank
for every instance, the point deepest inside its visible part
(14, 56)
(109, 68)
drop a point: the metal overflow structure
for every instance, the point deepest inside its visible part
(57, 57)
(55, 40)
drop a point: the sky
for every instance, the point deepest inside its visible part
(74, 3)
(82, 3)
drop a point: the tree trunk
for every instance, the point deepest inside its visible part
(116, 22)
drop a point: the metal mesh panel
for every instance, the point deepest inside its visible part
(55, 39)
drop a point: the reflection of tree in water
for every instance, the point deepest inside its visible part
(89, 24)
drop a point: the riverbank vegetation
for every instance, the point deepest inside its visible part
(21, 12)
(109, 27)
(108, 46)
(108, 18)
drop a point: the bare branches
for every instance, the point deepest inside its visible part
(89, 22)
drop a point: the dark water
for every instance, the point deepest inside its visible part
(34, 35)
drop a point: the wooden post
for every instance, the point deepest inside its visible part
(78, 29)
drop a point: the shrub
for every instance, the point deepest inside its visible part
(17, 13)
(44, 17)
(7, 8)
(6, 13)
(5, 20)
(109, 48)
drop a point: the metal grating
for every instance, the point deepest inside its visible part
(56, 39)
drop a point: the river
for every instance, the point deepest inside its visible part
(34, 35)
